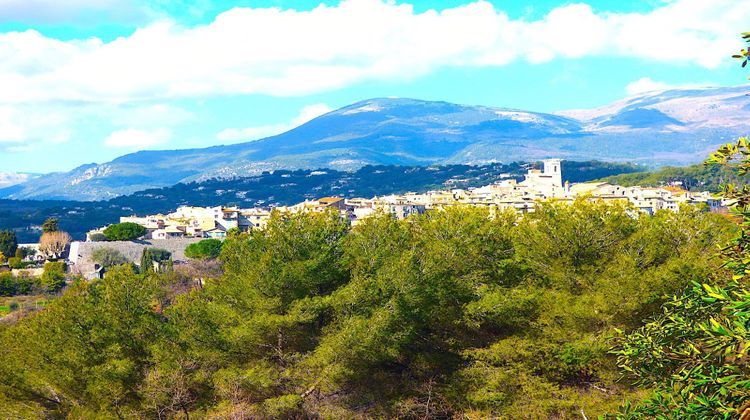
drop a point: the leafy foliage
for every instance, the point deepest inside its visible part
(108, 257)
(156, 260)
(13, 285)
(744, 54)
(50, 225)
(53, 277)
(692, 178)
(206, 249)
(451, 313)
(695, 352)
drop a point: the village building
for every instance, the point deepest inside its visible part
(508, 194)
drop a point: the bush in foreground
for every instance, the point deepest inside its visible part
(448, 314)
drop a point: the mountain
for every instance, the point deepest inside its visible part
(674, 127)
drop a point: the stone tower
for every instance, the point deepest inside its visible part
(553, 171)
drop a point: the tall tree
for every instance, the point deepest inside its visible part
(54, 244)
(8, 243)
(50, 225)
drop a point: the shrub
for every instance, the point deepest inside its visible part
(124, 231)
(98, 237)
(16, 263)
(8, 286)
(27, 251)
(108, 257)
(206, 249)
(13, 306)
(53, 277)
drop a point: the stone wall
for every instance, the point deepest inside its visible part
(80, 252)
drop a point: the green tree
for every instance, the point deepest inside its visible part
(15, 263)
(124, 231)
(86, 354)
(53, 276)
(205, 249)
(156, 260)
(108, 257)
(450, 314)
(695, 352)
(8, 243)
(98, 237)
(51, 225)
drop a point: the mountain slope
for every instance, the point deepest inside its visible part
(672, 127)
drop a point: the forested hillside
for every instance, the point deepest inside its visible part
(693, 178)
(448, 314)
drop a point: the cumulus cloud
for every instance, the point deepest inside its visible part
(20, 124)
(10, 130)
(256, 133)
(137, 139)
(288, 52)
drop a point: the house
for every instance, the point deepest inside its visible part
(169, 232)
(331, 202)
(219, 232)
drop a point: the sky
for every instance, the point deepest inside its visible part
(84, 81)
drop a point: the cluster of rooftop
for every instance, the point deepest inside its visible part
(538, 185)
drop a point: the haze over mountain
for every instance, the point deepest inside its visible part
(8, 179)
(673, 127)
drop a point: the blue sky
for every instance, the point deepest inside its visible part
(91, 80)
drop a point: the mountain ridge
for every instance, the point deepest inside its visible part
(673, 127)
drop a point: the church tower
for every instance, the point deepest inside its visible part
(553, 171)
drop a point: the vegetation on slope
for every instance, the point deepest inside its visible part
(695, 353)
(693, 178)
(446, 314)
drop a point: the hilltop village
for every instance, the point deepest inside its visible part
(538, 185)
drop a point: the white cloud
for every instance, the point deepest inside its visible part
(19, 124)
(136, 139)
(645, 84)
(288, 52)
(256, 133)
(10, 131)
(144, 116)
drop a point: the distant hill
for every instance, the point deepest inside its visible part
(281, 187)
(693, 178)
(674, 127)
